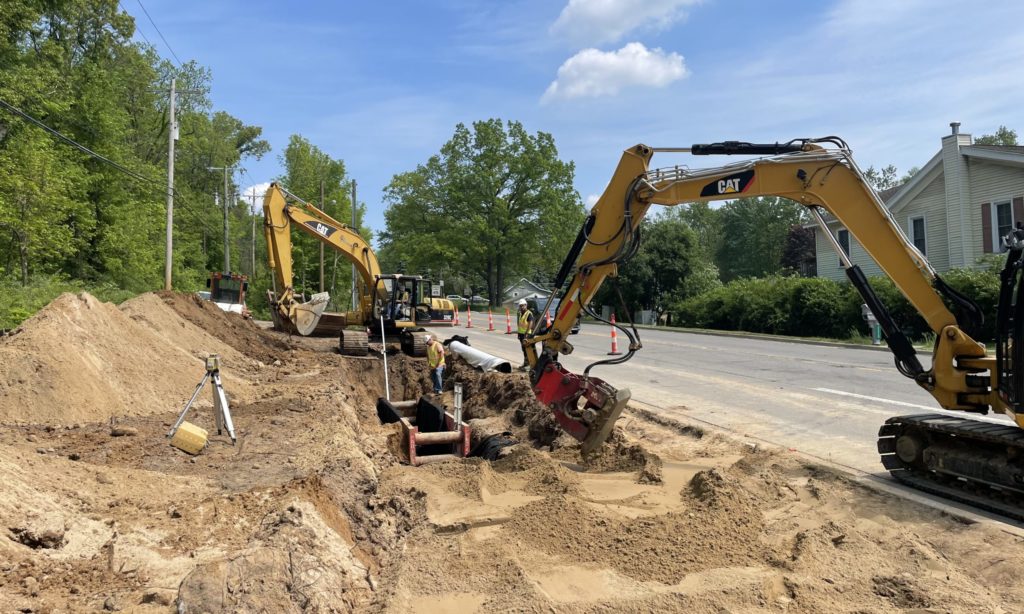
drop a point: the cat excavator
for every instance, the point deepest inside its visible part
(976, 462)
(391, 306)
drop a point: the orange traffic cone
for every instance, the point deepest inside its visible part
(615, 340)
(508, 323)
(490, 320)
(469, 317)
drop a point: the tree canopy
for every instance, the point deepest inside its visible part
(494, 204)
(71, 65)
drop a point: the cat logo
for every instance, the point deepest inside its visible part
(732, 184)
(321, 229)
(728, 186)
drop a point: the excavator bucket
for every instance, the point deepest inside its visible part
(307, 315)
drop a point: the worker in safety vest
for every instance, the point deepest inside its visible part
(435, 361)
(525, 322)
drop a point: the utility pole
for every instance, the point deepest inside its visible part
(169, 256)
(227, 244)
(323, 207)
(355, 298)
(252, 253)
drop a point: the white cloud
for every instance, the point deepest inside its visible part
(590, 22)
(253, 194)
(594, 73)
(592, 199)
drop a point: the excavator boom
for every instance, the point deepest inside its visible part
(400, 304)
(821, 175)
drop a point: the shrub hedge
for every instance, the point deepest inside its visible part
(818, 307)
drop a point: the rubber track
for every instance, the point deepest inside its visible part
(937, 484)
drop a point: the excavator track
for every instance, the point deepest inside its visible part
(973, 462)
(353, 343)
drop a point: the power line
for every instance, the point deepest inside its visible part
(188, 206)
(138, 29)
(159, 32)
(76, 144)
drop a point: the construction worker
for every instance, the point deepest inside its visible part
(525, 325)
(435, 361)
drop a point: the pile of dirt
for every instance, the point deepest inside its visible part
(232, 329)
(311, 511)
(79, 360)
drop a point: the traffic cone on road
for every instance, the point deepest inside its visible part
(508, 323)
(469, 317)
(490, 320)
(615, 340)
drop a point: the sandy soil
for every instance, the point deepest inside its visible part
(311, 511)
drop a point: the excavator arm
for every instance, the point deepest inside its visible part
(282, 210)
(819, 174)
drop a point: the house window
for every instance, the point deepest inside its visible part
(917, 232)
(843, 236)
(1002, 218)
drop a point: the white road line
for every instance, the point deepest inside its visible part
(994, 420)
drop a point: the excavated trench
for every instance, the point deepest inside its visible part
(312, 509)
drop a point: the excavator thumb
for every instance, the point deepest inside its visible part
(585, 407)
(305, 316)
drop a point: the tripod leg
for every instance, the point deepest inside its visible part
(225, 411)
(184, 412)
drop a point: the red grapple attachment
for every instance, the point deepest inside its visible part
(590, 423)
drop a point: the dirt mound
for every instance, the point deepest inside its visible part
(310, 511)
(81, 360)
(231, 328)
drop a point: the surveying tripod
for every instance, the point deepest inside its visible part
(221, 412)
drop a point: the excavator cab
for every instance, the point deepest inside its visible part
(399, 296)
(227, 291)
(1010, 323)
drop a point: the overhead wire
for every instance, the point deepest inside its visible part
(160, 33)
(137, 29)
(183, 203)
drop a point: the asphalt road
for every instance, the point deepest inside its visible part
(820, 400)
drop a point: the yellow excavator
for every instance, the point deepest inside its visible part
(390, 306)
(972, 461)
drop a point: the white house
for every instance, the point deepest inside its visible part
(524, 288)
(954, 209)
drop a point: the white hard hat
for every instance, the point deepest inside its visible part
(522, 301)
(428, 337)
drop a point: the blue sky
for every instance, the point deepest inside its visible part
(382, 85)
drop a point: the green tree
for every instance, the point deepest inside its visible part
(65, 215)
(495, 203)
(754, 232)
(1002, 136)
(306, 166)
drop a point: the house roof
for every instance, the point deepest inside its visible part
(1007, 148)
(526, 282)
(1010, 155)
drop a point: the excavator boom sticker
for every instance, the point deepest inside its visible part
(730, 184)
(322, 229)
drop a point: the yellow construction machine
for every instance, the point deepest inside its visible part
(391, 306)
(977, 462)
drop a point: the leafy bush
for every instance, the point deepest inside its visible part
(18, 302)
(818, 307)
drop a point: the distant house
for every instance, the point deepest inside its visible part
(524, 288)
(953, 210)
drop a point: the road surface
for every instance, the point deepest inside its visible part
(824, 401)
